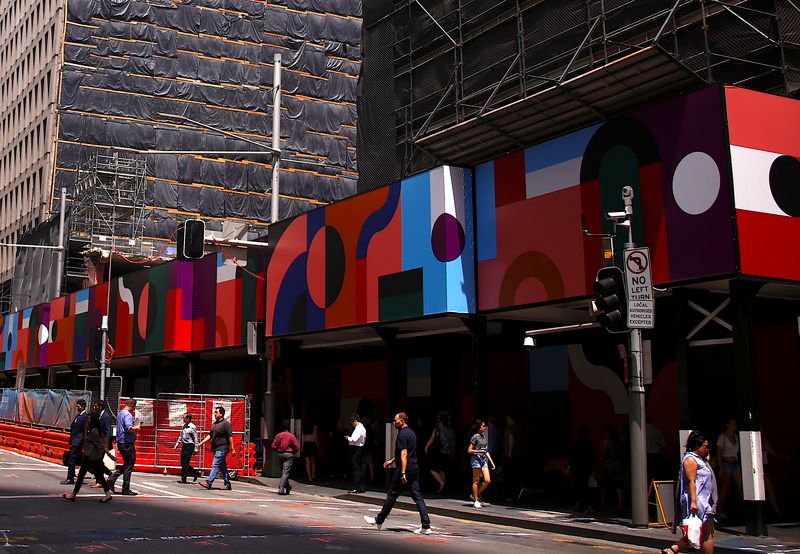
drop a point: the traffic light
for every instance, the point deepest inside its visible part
(190, 239)
(96, 346)
(609, 306)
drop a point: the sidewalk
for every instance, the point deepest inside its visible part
(784, 537)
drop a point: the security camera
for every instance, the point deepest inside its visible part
(627, 197)
(529, 343)
(616, 217)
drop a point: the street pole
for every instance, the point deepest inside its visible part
(60, 264)
(276, 137)
(269, 397)
(636, 402)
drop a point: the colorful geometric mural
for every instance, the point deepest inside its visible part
(227, 294)
(402, 251)
(177, 306)
(765, 157)
(531, 247)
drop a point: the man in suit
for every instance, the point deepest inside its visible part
(76, 431)
(106, 431)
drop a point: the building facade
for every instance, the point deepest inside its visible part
(30, 45)
(171, 98)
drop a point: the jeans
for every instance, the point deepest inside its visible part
(128, 452)
(286, 459)
(395, 488)
(187, 451)
(219, 465)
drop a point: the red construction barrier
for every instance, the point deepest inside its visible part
(38, 442)
(161, 422)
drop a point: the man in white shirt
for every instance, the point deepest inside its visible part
(356, 442)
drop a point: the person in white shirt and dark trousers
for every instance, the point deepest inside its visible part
(188, 440)
(356, 442)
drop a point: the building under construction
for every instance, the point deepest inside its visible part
(475, 79)
(126, 66)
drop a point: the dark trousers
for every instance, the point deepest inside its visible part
(128, 452)
(287, 460)
(94, 467)
(74, 459)
(187, 451)
(356, 453)
(395, 488)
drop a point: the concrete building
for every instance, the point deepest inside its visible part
(30, 43)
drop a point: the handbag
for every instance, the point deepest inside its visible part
(693, 530)
(65, 458)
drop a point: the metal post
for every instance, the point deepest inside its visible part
(636, 403)
(276, 138)
(60, 264)
(103, 339)
(270, 464)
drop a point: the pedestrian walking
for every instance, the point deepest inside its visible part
(94, 448)
(285, 444)
(189, 443)
(356, 441)
(76, 436)
(697, 492)
(221, 437)
(440, 449)
(127, 428)
(406, 475)
(480, 459)
(107, 434)
(310, 433)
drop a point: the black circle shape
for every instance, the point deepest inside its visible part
(53, 331)
(335, 264)
(784, 183)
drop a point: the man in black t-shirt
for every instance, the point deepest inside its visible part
(221, 437)
(407, 475)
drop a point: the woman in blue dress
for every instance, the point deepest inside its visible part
(697, 490)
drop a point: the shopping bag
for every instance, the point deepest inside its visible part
(693, 530)
(110, 461)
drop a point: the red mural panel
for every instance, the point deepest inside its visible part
(765, 157)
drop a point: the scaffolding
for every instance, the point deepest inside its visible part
(108, 212)
(474, 79)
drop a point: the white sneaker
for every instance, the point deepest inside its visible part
(477, 505)
(371, 521)
(423, 531)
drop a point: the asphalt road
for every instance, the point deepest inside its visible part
(175, 518)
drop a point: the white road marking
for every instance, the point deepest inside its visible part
(159, 489)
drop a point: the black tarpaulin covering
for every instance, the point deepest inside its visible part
(126, 61)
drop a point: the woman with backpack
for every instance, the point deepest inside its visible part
(441, 460)
(94, 448)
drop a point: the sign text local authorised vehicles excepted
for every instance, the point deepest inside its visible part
(639, 283)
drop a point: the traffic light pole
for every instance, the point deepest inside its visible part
(636, 403)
